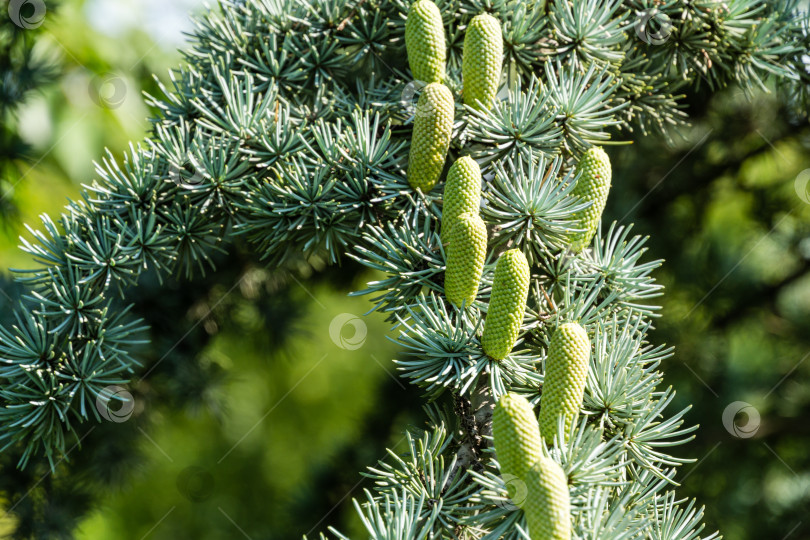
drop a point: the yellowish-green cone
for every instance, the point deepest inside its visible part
(462, 193)
(506, 305)
(424, 41)
(565, 377)
(593, 186)
(516, 436)
(432, 128)
(465, 259)
(482, 61)
(548, 506)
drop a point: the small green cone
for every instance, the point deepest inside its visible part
(593, 186)
(548, 506)
(465, 259)
(564, 382)
(482, 61)
(517, 441)
(432, 129)
(506, 305)
(424, 42)
(462, 193)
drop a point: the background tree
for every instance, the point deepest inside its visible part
(23, 72)
(727, 209)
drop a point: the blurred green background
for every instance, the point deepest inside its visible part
(254, 421)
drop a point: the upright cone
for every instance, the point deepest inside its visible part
(548, 505)
(564, 382)
(462, 193)
(593, 186)
(465, 259)
(516, 437)
(506, 305)
(432, 128)
(424, 42)
(482, 61)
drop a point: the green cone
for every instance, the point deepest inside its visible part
(564, 382)
(424, 41)
(593, 186)
(516, 436)
(465, 259)
(462, 193)
(482, 61)
(506, 305)
(548, 506)
(432, 128)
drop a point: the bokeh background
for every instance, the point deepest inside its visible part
(264, 393)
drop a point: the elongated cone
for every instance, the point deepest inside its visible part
(506, 305)
(482, 61)
(593, 186)
(465, 259)
(516, 436)
(432, 128)
(462, 193)
(424, 41)
(564, 381)
(548, 506)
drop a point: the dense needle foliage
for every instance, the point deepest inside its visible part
(290, 126)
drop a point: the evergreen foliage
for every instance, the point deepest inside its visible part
(725, 218)
(291, 125)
